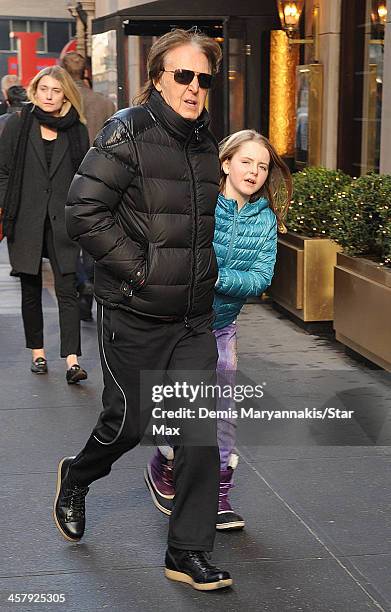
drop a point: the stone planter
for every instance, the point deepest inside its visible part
(303, 281)
(362, 308)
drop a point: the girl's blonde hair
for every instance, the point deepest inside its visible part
(278, 186)
(172, 40)
(71, 92)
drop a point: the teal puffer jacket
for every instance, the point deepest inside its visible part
(245, 244)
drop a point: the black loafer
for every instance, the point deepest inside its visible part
(39, 366)
(75, 374)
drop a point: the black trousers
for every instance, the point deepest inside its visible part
(129, 347)
(84, 268)
(68, 306)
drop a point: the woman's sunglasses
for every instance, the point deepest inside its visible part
(185, 77)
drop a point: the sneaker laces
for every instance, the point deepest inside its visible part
(74, 499)
(166, 473)
(224, 489)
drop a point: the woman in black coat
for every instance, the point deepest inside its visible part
(40, 151)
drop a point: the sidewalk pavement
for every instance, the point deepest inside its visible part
(316, 500)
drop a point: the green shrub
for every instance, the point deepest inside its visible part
(312, 209)
(385, 226)
(362, 216)
(387, 244)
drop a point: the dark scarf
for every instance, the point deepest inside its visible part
(70, 124)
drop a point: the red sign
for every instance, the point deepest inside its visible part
(27, 63)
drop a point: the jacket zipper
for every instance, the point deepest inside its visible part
(233, 235)
(195, 229)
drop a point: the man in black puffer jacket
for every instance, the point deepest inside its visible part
(142, 204)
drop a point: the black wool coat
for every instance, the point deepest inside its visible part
(44, 193)
(142, 204)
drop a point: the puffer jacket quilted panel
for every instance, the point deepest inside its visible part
(143, 205)
(245, 244)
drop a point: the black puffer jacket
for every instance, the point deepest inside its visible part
(143, 205)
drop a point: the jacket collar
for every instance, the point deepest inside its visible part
(248, 210)
(181, 128)
(60, 147)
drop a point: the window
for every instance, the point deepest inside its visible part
(372, 90)
(17, 25)
(39, 26)
(57, 35)
(5, 43)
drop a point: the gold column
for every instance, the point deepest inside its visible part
(282, 116)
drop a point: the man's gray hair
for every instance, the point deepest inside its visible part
(8, 81)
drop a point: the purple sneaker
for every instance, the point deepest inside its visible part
(227, 519)
(159, 480)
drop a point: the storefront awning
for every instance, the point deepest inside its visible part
(185, 9)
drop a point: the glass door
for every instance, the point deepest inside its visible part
(237, 75)
(373, 85)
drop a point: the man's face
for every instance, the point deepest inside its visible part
(187, 100)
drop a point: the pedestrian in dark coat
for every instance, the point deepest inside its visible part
(17, 96)
(40, 150)
(97, 109)
(142, 203)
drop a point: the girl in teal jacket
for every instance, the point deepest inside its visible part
(255, 192)
(245, 242)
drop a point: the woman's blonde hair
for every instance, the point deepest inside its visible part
(71, 92)
(172, 40)
(278, 186)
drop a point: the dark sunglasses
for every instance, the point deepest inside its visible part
(185, 77)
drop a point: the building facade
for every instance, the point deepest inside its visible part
(52, 23)
(325, 102)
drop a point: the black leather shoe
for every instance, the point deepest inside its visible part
(39, 366)
(75, 374)
(193, 567)
(69, 504)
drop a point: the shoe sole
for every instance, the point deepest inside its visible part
(38, 373)
(234, 526)
(59, 480)
(199, 586)
(154, 498)
(78, 378)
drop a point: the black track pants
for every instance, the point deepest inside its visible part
(130, 345)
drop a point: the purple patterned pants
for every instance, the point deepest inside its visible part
(226, 373)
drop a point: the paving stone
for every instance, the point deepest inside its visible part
(376, 569)
(49, 434)
(303, 585)
(345, 500)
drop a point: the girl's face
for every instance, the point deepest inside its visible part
(50, 95)
(246, 171)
